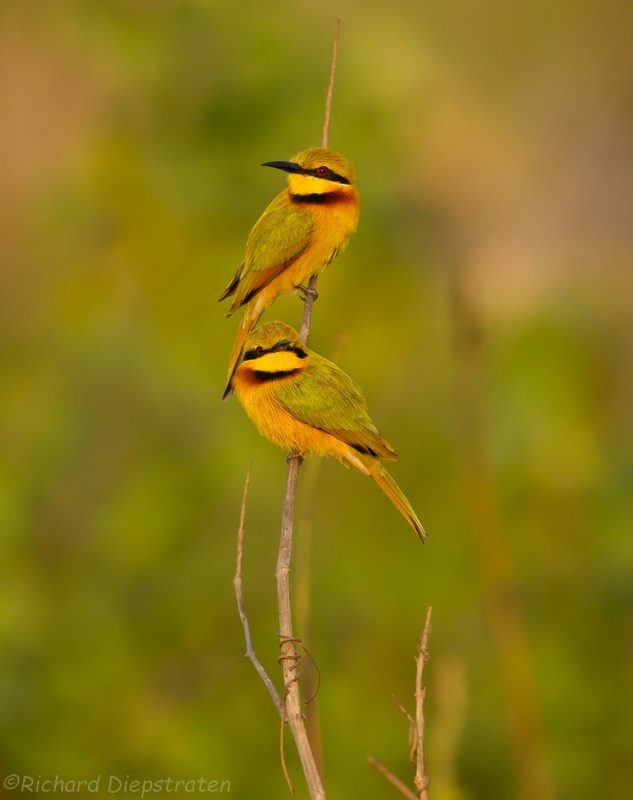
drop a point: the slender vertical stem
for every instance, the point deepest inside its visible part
(237, 582)
(421, 780)
(416, 727)
(330, 88)
(310, 676)
(289, 658)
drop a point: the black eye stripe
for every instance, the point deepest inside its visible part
(283, 345)
(330, 176)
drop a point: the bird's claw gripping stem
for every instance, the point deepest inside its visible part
(307, 290)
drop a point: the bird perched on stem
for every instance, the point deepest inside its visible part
(307, 405)
(299, 233)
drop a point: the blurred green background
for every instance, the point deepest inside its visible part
(486, 308)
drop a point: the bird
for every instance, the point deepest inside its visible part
(307, 405)
(300, 232)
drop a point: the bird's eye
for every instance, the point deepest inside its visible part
(322, 172)
(256, 352)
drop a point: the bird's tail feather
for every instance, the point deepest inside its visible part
(395, 494)
(245, 328)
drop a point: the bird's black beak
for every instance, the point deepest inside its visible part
(287, 166)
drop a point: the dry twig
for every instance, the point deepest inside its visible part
(289, 658)
(416, 727)
(421, 780)
(330, 86)
(391, 778)
(237, 583)
(290, 707)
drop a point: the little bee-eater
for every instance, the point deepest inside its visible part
(298, 234)
(307, 405)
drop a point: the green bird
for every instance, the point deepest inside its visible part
(309, 406)
(297, 236)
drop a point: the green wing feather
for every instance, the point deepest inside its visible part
(328, 399)
(279, 237)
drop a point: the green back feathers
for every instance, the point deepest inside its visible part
(324, 396)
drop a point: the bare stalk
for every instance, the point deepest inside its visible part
(289, 658)
(311, 294)
(421, 779)
(237, 583)
(330, 87)
(391, 778)
(310, 677)
(416, 727)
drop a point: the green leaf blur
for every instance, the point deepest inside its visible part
(484, 306)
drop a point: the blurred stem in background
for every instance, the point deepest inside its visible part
(498, 577)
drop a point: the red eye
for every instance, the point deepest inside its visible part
(259, 350)
(322, 172)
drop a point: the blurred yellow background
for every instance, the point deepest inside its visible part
(486, 308)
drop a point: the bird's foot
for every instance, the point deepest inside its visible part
(305, 291)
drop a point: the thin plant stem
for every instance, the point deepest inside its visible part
(416, 727)
(421, 779)
(289, 658)
(237, 583)
(391, 778)
(330, 87)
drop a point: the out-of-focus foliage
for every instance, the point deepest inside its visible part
(494, 148)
